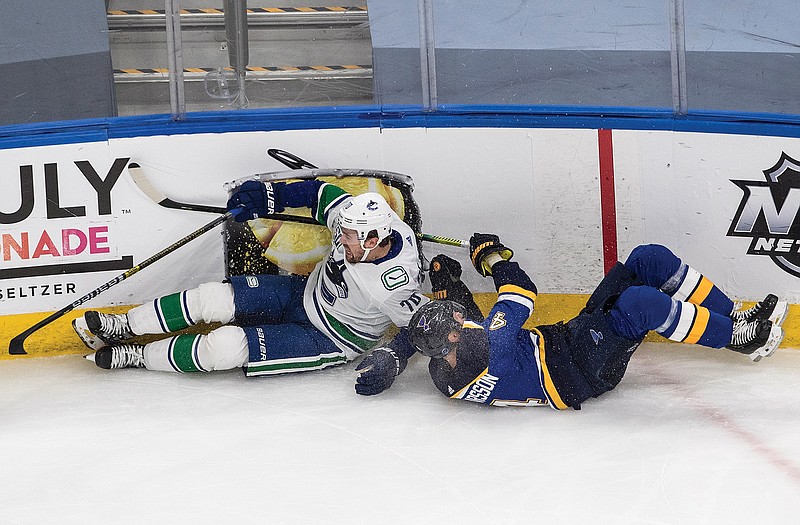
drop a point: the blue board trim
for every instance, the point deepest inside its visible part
(392, 117)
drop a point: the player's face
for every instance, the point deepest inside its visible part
(352, 248)
(453, 338)
(353, 252)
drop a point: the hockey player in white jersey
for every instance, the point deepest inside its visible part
(285, 323)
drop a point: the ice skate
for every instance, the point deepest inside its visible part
(770, 308)
(97, 330)
(755, 339)
(119, 356)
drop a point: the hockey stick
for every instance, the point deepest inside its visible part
(17, 344)
(144, 184)
(443, 240)
(290, 160)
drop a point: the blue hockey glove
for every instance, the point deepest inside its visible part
(377, 371)
(258, 199)
(481, 245)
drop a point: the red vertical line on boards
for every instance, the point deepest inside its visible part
(608, 206)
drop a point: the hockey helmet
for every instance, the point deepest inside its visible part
(365, 213)
(431, 324)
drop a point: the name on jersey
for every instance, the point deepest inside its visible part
(482, 389)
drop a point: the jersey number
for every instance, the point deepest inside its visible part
(412, 302)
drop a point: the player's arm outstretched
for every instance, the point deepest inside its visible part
(378, 370)
(262, 199)
(516, 291)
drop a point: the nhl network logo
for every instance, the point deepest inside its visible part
(768, 215)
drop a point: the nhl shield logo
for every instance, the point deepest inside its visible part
(768, 214)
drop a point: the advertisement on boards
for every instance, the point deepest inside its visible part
(71, 220)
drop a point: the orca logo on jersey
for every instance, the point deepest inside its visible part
(768, 214)
(334, 271)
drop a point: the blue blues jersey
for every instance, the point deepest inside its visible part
(510, 369)
(566, 363)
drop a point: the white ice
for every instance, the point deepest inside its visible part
(691, 436)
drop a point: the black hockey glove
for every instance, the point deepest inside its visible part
(258, 199)
(444, 272)
(377, 371)
(482, 245)
(446, 283)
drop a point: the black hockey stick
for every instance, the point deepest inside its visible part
(17, 344)
(290, 160)
(144, 184)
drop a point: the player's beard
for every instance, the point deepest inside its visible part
(350, 256)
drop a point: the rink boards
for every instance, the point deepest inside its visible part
(568, 195)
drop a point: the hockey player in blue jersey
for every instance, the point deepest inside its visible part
(498, 362)
(283, 323)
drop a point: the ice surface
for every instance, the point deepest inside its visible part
(692, 435)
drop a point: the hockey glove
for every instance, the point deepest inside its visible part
(481, 245)
(377, 371)
(257, 199)
(446, 283)
(444, 272)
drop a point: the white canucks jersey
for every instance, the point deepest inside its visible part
(354, 304)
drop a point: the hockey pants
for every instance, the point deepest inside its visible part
(273, 334)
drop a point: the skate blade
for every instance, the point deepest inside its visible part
(90, 357)
(89, 339)
(779, 313)
(775, 337)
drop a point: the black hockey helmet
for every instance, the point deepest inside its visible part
(431, 324)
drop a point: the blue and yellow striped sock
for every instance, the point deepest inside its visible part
(693, 324)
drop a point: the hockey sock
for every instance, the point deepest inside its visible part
(642, 308)
(691, 286)
(174, 354)
(693, 324)
(222, 349)
(208, 303)
(163, 315)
